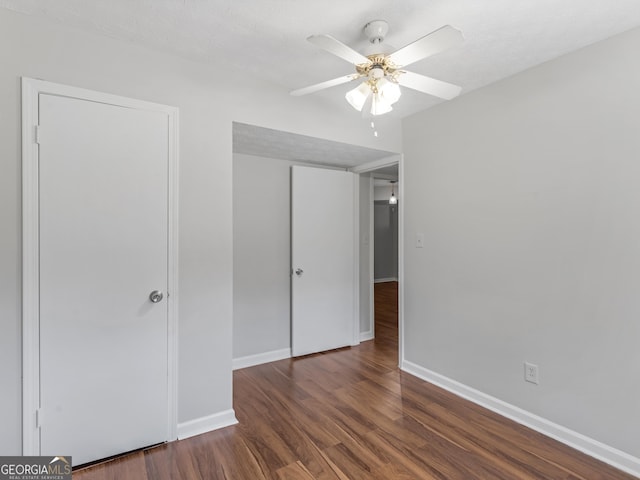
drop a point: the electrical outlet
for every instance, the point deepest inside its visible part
(531, 373)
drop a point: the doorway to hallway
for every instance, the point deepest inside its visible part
(386, 315)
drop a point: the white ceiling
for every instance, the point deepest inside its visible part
(266, 38)
(390, 172)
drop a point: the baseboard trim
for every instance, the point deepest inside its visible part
(614, 457)
(206, 424)
(385, 280)
(365, 336)
(260, 358)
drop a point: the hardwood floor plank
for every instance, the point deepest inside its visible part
(442, 425)
(127, 466)
(377, 403)
(356, 463)
(395, 472)
(346, 422)
(351, 414)
(295, 471)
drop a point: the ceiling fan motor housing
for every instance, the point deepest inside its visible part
(378, 67)
(376, 72)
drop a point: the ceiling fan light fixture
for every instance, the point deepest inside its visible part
(389, 90)
(380, 105)
(358, 96)
(377, 97)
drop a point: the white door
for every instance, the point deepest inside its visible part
(103, 248)
(323, 260)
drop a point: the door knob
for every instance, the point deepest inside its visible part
(155, 296)
(299, 272)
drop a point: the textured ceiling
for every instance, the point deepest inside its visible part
(390, 172)
(265, 142)
(266, 38)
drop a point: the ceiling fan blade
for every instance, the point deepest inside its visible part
(429, 85)
(321, 86)
(331, 45)
(435, 42)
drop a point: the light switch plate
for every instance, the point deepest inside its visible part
(419, 240)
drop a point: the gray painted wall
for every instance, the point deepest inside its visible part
(262, 255)
(208, 103)
(527, 194)
(383, 192)
(385, 228)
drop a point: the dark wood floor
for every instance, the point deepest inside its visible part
(351, 414)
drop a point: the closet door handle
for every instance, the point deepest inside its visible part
(156, 296)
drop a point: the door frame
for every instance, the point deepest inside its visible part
(356, 260)
(31, 89)
(367, 168)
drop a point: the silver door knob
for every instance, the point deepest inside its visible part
(299, 272)
(155, 296)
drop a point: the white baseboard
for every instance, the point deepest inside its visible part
(206, 424)
(384, 280)
(364, 336)
(260, 358)
(614, 457)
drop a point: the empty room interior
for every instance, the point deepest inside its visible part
(321, 240)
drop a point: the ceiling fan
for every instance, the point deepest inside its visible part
(383, 69)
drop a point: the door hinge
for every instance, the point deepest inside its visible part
(39, 418)
(37, 134)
